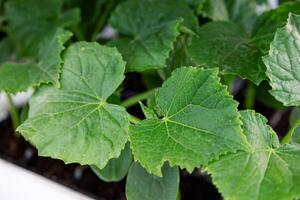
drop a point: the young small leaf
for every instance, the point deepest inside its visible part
(17, 77)
(283, 63)
(267, 171)
(75, 123)
(117, 168)
(151, 28)
(225, 45)
(148, 112)
(31, 21)
(142, 185)
(197, 113)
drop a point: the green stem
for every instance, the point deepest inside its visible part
(13, 112)
(133, 119)
(249, 96)
(103, 19)
(287, 138)
(78, 33)
(186, 30)
(135, 99)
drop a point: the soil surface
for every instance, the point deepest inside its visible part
(195, 186)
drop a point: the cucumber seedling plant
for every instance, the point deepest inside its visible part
(189, 53)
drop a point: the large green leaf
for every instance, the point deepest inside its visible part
(117, 168)
(198, 113)
(266, 171)
(225, 45)
(266, 24)
(151, 28)
(31, 21)
(17, 77)
(241, 12)
(75, 123)
(142, 185)
(283, 64)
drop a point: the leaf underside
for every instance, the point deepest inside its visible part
(267, 23)
(75, 123)
(117, 168)
(142, 185)
(283, 63)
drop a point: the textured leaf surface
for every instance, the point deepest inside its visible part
(142, 185)
(75, 123)
(294, 117)
(283, 63)
(17, 77)
(214, 9)
(241, 12)
(31, 21)
(266, 24)
(267, 171)
(151, 28)
(117, 168)
(197, 114)
(178, 57)
(225, 45)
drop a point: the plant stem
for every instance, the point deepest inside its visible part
(249, 96)
(13, 112)
(78, 33)
(186, 30)
(135, 99)
(133, 119)
(103, 19)
(287, 138)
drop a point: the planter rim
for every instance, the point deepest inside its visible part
(18, 183)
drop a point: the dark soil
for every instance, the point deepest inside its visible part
(81, 178)
(195, 186)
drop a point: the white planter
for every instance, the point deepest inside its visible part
(20, 184)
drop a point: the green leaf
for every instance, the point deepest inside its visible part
(197, 113)
(142, 185)
(117, 168)
(214, 9)
(225, 45)
(148, 112)
(266, 24)
(266, 171)
(31, 21)
(17, 77)
(5, 50)
(75, 123)
(241, 12)
(151, 28)
(263, 96)
(283, 63)
(178, 57)
(294, 118)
